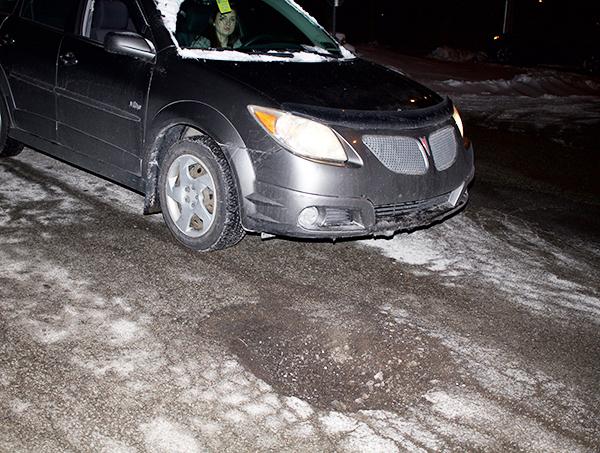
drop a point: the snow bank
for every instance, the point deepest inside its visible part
(563, 116)
(445, 53)
(538, 98)
(534, 84)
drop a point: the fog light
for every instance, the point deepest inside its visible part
(308, 218)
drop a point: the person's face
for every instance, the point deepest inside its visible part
(225, 23)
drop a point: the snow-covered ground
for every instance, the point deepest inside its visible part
(106, 341)
(98, 356)
(519, 263)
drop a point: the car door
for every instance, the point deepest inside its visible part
(101, 96)
(29, 44)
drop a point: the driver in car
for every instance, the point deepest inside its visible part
(223, 33)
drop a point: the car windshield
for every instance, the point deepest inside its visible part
(253, 26)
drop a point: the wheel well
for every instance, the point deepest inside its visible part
(163, 141)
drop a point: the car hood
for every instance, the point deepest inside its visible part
(355, 85)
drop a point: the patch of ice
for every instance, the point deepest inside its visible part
(123, 364)
(18, 406)
(258, 410)
(235, 416)
(235, 399)
(520, 264)
(301, 408)
(124, 330)
(109, 445)
(303, 430)
(162, 435)
(357, 436)
(69, 206)
(409, 434)
(336, 423)
(482, 414)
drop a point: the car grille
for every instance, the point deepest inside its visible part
(404, 155)
(392, 211)
(443, 147)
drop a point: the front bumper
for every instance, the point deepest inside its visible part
(347, 217)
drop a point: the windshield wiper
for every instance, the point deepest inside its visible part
(320, 51)
(270, 53)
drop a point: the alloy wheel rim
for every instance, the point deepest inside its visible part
(191, 196)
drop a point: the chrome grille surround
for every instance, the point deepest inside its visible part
(444, 147)
(403, 155)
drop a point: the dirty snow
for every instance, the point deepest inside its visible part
(446, 53)
(214, 398)
(517, 262)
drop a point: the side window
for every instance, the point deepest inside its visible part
(7, 6)
(104, 16)
(54, 14)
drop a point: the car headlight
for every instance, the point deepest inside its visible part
(458, 121)
(301, 136)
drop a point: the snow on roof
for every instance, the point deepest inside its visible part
(170, 8)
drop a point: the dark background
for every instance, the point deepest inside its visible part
(426, 24)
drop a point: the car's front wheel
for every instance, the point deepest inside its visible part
(8, 146)
(198, 195)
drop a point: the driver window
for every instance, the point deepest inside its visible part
(105, 16)
(249, 24)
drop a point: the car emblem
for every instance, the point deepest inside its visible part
(134, 105)
(425, 144)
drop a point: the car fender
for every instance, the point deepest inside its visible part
(166, 128)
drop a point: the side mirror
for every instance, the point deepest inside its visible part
(131, 44)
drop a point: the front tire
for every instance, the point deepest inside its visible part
(8, 146)
(198, 195)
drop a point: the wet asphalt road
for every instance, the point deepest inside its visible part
(478, 334)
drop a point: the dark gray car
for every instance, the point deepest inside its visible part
(229, 118)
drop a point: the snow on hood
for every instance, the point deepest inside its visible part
(170, 8)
